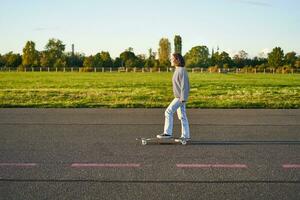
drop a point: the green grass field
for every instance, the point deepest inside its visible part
(147, 90)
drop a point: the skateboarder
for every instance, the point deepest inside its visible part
(181, 89)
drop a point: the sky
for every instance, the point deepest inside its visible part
(93, 26)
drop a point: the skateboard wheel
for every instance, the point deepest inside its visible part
(183, 142)
(144, 142)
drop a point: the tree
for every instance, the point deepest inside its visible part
(152, 55)
(12, 60)
(297, 64)
(164, 52)
(106, 59)
(129, 49)
(54, 50)
(88, 62)
(117, 62)
(97, 60)
(290, 58)
(60, 63)
(93, 61)
(197, 57)
(46, 60)
(141, 60)
(243, 55)
(56, 47)
(276, 57)
(131, 63)
(128, 59)
(2, 62)
(221, 59)
(150, 61)
(178, 44)
(213, 57)
(224, 59)
(30, 55)
(258, 61)
(240, 59)
(74, 60)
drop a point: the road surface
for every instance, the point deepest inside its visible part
(93, 154)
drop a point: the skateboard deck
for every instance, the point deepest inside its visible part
(145, 141)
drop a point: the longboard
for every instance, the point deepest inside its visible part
(145, 141)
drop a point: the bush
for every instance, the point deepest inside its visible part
(284, 70)
(213, 69)
(248, 69)
(261, 67)
(21, 68)
(86, 69)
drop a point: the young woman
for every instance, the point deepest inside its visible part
(181, 89)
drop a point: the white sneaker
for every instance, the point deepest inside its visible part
(164, 136)
(182, 139)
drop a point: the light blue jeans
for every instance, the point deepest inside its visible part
(174, 106)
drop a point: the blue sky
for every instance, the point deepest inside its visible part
(114, 25)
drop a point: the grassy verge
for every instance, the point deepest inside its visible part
(147, 90)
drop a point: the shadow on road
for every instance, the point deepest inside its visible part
(244, 142)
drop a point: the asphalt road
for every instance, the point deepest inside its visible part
(93, 154)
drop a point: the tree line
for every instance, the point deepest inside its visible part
(54, 56)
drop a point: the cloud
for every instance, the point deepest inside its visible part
(254, 3)
(231, 52)
(46, 28)
(264, 53)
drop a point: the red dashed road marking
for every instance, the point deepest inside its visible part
(105, 165)
(211, 166)
(18, 164)
(136, 165)
(291, 166)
